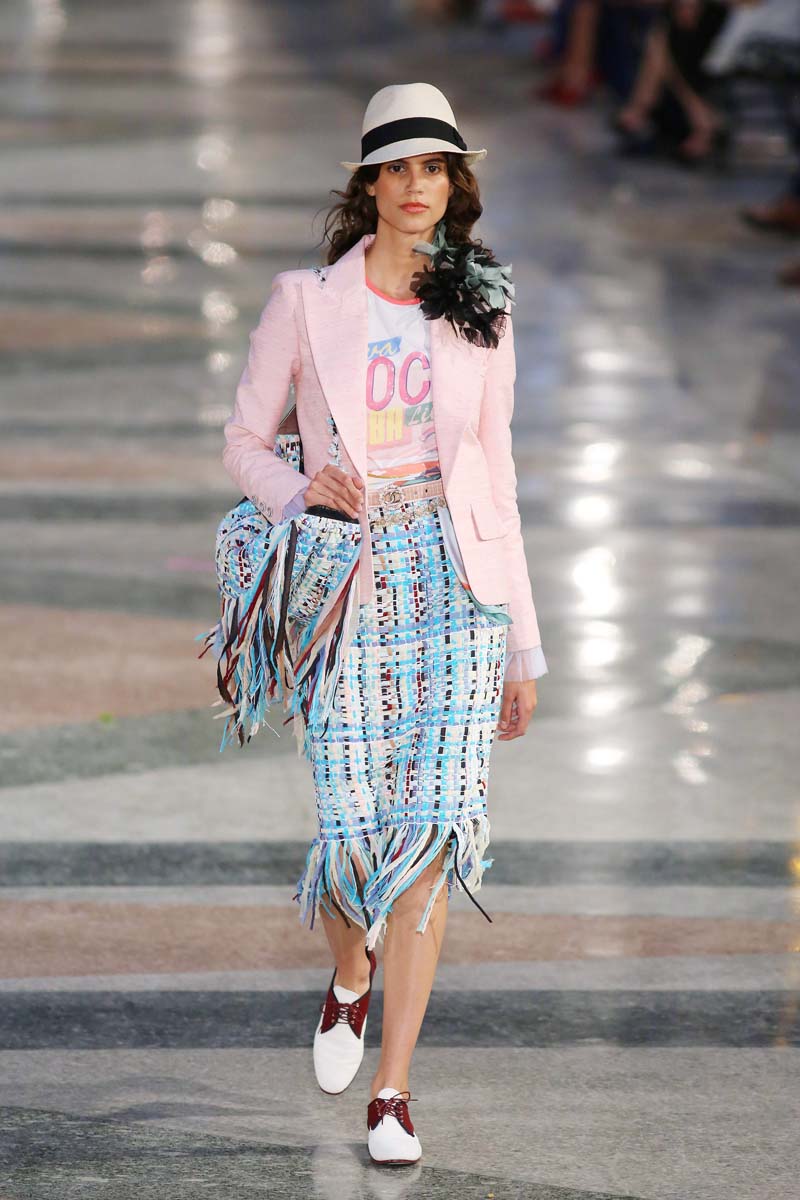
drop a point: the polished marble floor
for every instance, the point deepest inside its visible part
(629, 1024)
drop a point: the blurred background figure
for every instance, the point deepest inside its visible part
(595, 42)
(679, 81)
(669, 94)
(763, 40)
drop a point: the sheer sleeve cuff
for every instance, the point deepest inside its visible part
(525, 664)
(296, 505)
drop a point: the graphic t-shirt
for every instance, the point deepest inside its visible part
(401, 438)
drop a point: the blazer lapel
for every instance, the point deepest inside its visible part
(337, 323)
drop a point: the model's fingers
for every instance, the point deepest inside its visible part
(522, 723)
(517, 725)
(330, 490)
(348, 493)
(342, 478)
(342, 495)
(504, 720)
(318, 493)
(348, 501)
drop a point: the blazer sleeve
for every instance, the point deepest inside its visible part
(274, 359)
(494, 433)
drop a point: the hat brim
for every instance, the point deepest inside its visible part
(412, 146)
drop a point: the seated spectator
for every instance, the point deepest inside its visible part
(668, 104)
(596, 41)
(778, 21)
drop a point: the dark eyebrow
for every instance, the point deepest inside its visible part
(428, 158)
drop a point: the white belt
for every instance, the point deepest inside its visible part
(399, 493)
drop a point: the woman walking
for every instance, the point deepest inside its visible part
(402, 361)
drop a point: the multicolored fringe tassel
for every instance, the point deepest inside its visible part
(318, 656)
(289, 600)
(402, 853)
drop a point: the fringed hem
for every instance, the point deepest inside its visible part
(331, 872)
(390, 862)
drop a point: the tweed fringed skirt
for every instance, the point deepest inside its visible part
(401, 765)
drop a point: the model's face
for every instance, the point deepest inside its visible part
(411, 194)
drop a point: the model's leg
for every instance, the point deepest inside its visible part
(409, 966)
(347, 942)
(339, 1037)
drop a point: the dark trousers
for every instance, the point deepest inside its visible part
(687, 48)
(621, 33)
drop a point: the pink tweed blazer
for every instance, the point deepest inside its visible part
(313, 332)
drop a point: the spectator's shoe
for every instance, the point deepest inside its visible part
(781, 217)
(518, 12)
(391, 1138)
(339, 1036)
(716, 150)
(562, 95)
(619, 126)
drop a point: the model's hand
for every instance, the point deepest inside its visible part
(519, 701)
(337, 489)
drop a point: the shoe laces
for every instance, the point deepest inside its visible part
(346, 1011)
(393, 1105)
(349, 1012)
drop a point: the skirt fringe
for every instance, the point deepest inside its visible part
(363, 876)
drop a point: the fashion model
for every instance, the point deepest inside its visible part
(400, 349)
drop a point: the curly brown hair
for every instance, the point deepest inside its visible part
(356, 213)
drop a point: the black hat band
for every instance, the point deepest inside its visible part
(409, 127)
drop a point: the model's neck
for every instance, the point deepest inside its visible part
(391, 262)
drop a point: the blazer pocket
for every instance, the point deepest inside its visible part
(487, 521)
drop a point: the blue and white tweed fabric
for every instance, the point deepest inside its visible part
(401, 765)
(288, 606)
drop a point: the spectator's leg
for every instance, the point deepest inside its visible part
(561, 23)
(650, 80)
(693, 26)
(576, 70)
(621, 41)
(572, 81)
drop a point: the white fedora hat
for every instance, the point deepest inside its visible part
(409, 118)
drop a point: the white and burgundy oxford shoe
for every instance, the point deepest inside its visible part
(391, 1138)
(339, 1036)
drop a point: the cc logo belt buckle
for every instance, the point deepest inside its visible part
(391, 495)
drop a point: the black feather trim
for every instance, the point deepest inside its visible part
(452, 288)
